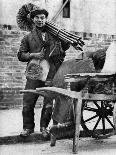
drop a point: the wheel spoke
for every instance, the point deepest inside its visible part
(91, 118)
(110, 122)
(91, 109)
(96, 124)
(103, 117)
(103, 124)
(102, 106)
(97, 105)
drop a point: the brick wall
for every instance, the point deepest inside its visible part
(12, 77)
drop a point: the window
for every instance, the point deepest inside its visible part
(66, 9)
(84, 35)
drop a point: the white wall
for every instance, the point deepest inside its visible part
(94, 16)
(9, 9)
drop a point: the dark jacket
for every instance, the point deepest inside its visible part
(33, 43)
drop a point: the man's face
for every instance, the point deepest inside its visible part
(40, 20)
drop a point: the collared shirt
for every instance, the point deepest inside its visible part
(43, 36)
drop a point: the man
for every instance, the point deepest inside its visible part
(37, 45)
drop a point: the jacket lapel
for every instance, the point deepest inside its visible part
(37, 36)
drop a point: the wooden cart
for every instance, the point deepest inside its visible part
(93, 111)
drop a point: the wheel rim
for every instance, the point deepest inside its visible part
(97, 118)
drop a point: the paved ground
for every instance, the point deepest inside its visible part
(11, 121)
(87, 146)
(11, 124)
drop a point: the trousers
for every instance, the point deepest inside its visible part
(29, 101)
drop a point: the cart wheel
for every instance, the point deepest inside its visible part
(114, 116)
(97, 118)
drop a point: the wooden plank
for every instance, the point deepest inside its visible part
(77, 113)
(53, 91)
(98, 97)
(60, 91)
(28, 91)
(41, 93)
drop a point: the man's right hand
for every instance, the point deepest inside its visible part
(37, 55)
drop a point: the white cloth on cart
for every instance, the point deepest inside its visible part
(110, 61)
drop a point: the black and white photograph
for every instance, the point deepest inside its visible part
(57, 77)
